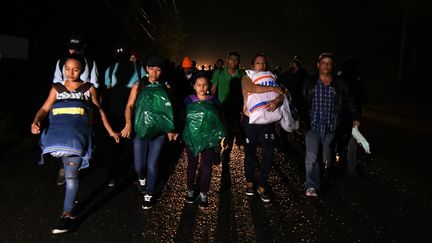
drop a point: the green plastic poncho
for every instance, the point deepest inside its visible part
(153, 112)
(203, 129)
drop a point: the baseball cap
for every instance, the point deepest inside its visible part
(326, 55)
(75, 41)
(298, 60)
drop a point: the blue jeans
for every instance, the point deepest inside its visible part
(146, 154)
(314, 141)
(258, 134)
(71, 165)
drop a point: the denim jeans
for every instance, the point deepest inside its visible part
(314, 141)
(71, 166)
(146, 154)
(265, 136)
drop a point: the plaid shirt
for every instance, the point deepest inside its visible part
(323, 115)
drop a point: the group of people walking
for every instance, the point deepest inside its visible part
(145, 106)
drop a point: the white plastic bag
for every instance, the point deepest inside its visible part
(360, 139)
(288, 123)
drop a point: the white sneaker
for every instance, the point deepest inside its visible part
(142, 185)
(311, 192)
(149, 201)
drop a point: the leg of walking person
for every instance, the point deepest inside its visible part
(250, 148)
(71, 166)
(191, 168)
(313, 142)
(327, 148)
(154, 148)
(190, 175)
(268, 143)
(140, 160)
(205, 178)
(327, 158)
(206, 168)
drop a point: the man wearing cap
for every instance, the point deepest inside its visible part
(182, 86)
(226, 84)
(325, 97)
(75, 45)
(182, 83)
(119, 78)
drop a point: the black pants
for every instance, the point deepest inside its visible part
(257, 134)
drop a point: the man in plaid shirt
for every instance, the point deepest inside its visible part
(326, 97)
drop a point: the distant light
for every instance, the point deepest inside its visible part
(206, 67)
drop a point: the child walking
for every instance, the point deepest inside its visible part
(69, 135)
(202, 133)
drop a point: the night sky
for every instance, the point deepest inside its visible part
(372, 30)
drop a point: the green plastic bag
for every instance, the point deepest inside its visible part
(203, 129)
(153, 112)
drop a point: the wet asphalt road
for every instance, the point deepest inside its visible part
(390, 202)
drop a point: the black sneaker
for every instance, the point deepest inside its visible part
(264, 196)
(142, 185)
(64, 225)
(61, 177)
(203, 200)
(149, 201)
(250, 191)
(190, 196)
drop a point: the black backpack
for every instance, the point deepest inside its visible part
(137, 66)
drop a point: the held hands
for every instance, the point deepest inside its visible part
(35, 127)
(116, 136)
(172, 136)
(126, 132)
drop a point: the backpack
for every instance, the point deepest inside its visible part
(137, 67)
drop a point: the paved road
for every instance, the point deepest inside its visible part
(391, 202)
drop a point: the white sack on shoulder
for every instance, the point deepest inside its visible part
(256, 102)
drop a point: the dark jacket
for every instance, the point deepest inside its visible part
(345, 103)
